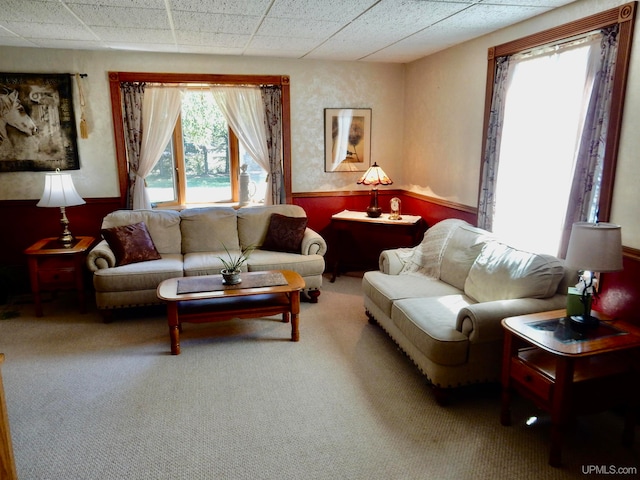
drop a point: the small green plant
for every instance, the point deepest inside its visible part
(232, 263)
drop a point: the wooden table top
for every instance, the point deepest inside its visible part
(551, 332)
(167, 290)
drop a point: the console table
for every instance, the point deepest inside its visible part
(569, 372)
(358, 239)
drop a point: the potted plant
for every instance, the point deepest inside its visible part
(233, 263)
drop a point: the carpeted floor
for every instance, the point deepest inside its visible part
(93, 401)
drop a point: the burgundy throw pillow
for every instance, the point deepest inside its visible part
(285, 233)
(131, 243)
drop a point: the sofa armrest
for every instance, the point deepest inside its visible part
(481, 322)
(313, 243)
(101, 256)
(393, 261)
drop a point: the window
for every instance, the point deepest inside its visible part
(201, 163)
(534, 116)
(187, 151)
(542, 122)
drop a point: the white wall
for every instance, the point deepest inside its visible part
(315, 85)
(444, 108)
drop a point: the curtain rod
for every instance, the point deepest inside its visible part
(83, 75)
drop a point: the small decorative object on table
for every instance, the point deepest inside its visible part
(395, 209)
(233, 263)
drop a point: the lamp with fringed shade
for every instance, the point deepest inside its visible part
(374, 176)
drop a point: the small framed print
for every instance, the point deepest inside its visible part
(347, 139)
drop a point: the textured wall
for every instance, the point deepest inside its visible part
(315, 85)
(444, 107)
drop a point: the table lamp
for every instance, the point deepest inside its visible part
(60, 192)
(593, 247)
(374, 176)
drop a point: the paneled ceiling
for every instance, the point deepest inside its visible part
(350, 30)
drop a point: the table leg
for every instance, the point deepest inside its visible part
(507, 353)
(294, 299)
(80, 283)
(174, 327)
(35, 285)
(559, 408)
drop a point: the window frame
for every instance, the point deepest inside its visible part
(624, 15)
(115, 78)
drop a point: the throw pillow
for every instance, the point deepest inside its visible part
(131, 243)
(285, 234)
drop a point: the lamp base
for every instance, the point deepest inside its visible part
(373, 210)
(583, 322)
(66, 239)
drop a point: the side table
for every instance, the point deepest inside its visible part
(354, 232)
(567, 372)
(55, 267)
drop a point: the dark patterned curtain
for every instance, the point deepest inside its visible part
(486, 204)
(132, 96)
(587, 177)
(272, 98)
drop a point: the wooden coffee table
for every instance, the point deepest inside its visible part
(226, 302)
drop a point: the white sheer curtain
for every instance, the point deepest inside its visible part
(243, 109)
(160, 110)
(341, 138)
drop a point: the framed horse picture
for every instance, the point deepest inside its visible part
(37, 123)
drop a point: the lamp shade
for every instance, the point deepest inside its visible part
(374, 176)
(59, 191)
(596, 247)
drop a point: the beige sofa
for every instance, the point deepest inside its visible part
(189, 243)
(442, 301)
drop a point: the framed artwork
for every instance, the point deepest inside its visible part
(37, 123)
(347, 139)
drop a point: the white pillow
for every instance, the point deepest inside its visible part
(501, 272)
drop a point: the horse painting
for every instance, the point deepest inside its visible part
(37, 124)
(12, 113)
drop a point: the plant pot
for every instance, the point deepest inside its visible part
(231, 278)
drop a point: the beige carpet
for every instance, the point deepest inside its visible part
(95, 401)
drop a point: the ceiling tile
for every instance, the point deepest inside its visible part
(102, 16)
(226, 40)
(215, 22)
(298, 28)
(234, 7)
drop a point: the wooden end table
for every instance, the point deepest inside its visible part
(55, 267)
(231, 302)
(566, 372)
(355, 233)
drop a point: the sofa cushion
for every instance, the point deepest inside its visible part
(209, 229)
(462, 249)
(285, 234)
(163, 226)
(253, 222)
(204, 263)
(305, 265)
(501, 272)
(384, 289)
(430, 325)
(131, 243)
(138, 276)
